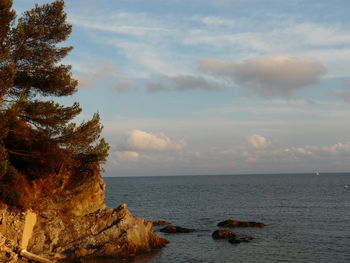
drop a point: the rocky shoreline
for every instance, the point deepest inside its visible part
(113, 233)
(73, 223)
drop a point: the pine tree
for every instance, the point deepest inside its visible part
(6, 70)
(37, 134)
(6, 77)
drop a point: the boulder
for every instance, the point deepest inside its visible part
(236, 223)
(176, 229)
(220, 234)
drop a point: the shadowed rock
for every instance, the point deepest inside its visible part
(160, 223)
(176, 229)
(236, 223)
(220, 234)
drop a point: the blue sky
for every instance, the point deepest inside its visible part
(214, 87)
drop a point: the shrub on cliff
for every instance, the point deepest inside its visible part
(37, 135)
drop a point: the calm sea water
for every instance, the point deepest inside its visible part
(308, 216)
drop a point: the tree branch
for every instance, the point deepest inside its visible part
(22, 154)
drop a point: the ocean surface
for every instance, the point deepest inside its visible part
(308, 216)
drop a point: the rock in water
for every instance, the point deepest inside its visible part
(246, 239)
(176, 229)
(219, 234)
(73, 221)
(240, 240)
(160, 223)
(236, 223)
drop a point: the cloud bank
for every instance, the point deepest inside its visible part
(272, 76)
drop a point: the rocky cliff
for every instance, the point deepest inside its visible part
(73, 221)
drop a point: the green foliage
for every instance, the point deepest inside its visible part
(36, 55)
(37, 136)
(6, 69)
(48, 116)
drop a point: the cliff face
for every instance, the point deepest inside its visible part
(73, 221)
(104, 233)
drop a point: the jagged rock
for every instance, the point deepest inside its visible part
(236, 223)
(73, 222)
(219, 234)
(104, 233)
(160, 223)
(176, 229)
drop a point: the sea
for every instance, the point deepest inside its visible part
(308, 215)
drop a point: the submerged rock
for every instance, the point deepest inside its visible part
(176, 229)
(236, 223)
(240, 240)
(220, 234)
(247, 238)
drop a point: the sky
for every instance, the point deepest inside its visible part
(214, 87)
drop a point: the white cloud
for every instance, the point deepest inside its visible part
(214, 20)
(308, 154)
(336, 150)
(182, 82)
(157, 42)
(257, 141)
(122, 85)
(152, 56)
(319, 35)
(104, 72)
(227, 41)
(134, 24)
(272, 76)
(309, 142)
(342, 94)
(91, 75)
(138, 140)
(144, 39)
(127, 156)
